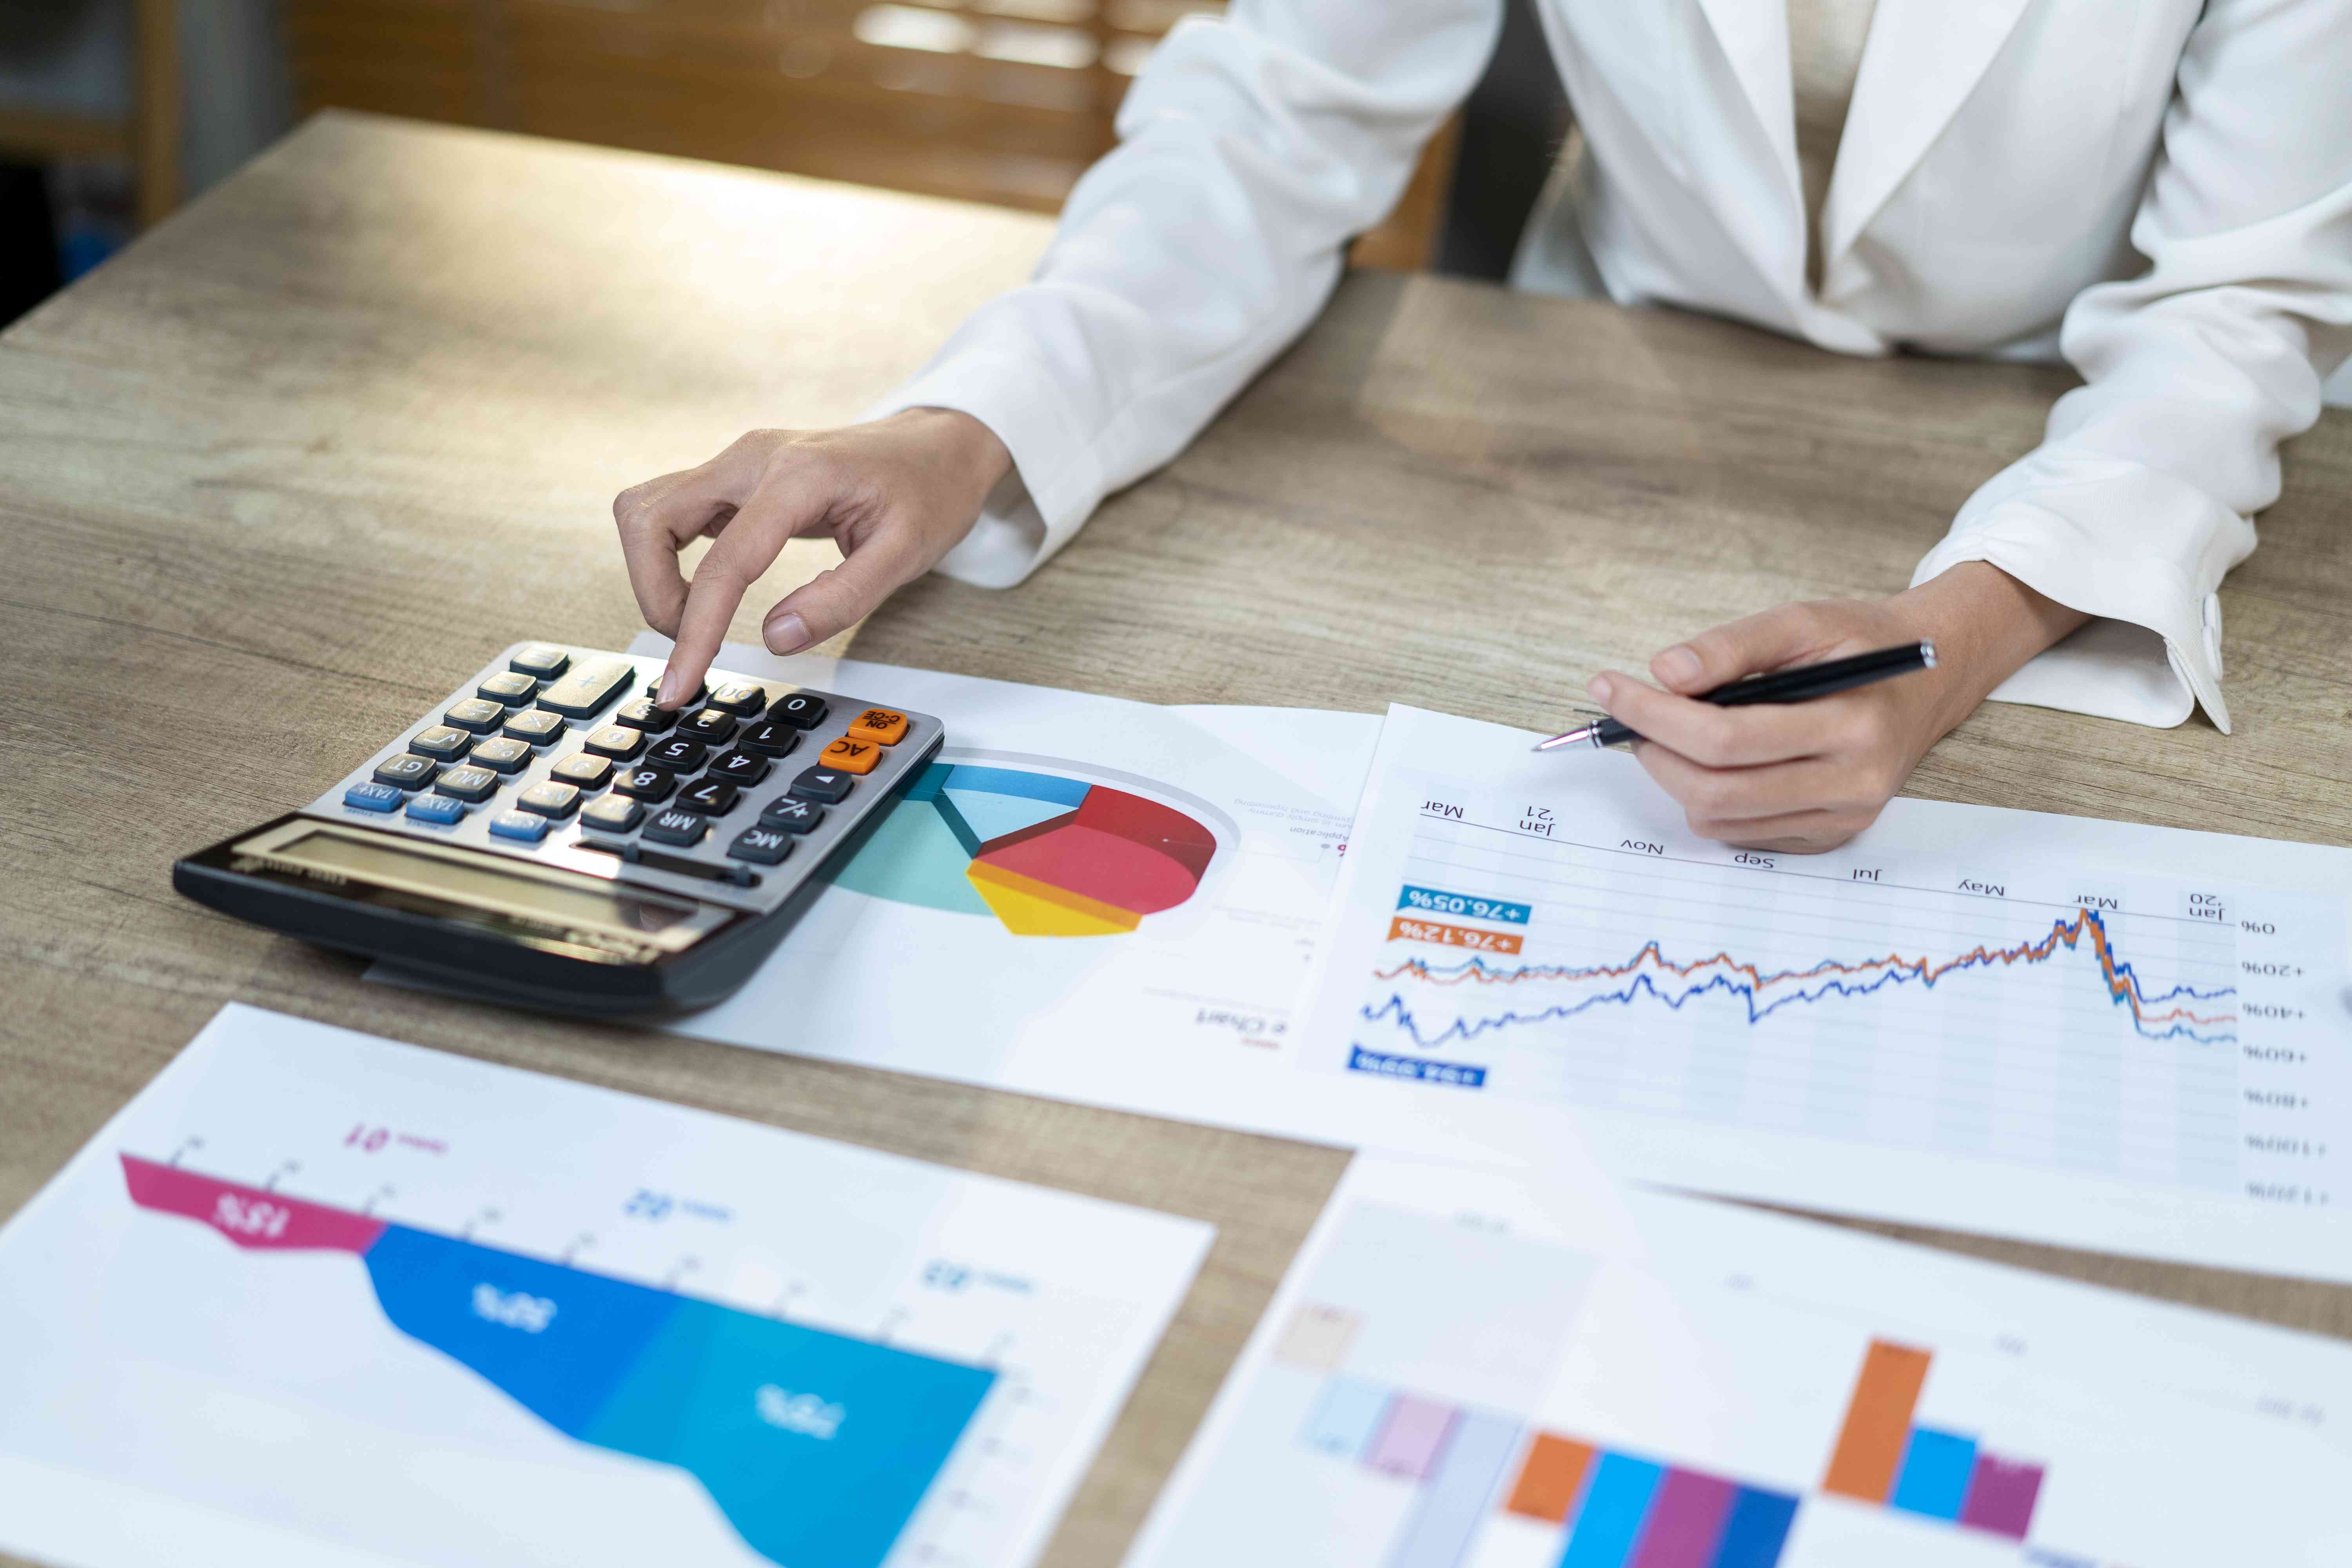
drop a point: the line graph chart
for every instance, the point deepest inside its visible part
(2206, 1016)
(1959, 1016)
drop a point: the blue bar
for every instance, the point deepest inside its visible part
(1616, 1502)
(1421, 1068)
(1346, 1417)
(1453, 1499)
(1933, 1479)
(1437, 901)
(1758, 1528)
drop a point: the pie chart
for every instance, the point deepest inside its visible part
(1044, 855)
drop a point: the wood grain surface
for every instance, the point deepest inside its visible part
(357, 417)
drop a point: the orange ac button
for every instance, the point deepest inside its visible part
(850, 755)
(879, 726)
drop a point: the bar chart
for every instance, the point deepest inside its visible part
(1468, 1369)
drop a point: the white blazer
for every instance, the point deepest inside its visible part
(2159, 189)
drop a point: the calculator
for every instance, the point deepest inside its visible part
(547, 835)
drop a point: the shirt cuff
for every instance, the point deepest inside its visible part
(1055, 481)
(2152, 655)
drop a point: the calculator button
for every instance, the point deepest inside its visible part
(373, 797)
(613, 814)
(534, 726)
(822, 784)
(706, 724)
(741, 768)
(541, 662)
(438, 809)
(407, 771)
(770, 737)
(701, 690)
(587, 772)
(586, 689)
(474, 715)
(678, 754)
(741, 698)
(766, 846)
(550, 799)
(617, 741)
(684, 828)
(640, 714)
(850, 756)
(507, 688)
(442, 743)
(529, 826)
(468, 782)
(713, 797)
(804, 709)
(646, 784)
(793, 815)
(880, 726)
(501, 753)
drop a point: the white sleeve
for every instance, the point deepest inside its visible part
(1252, 148)
(2142, 494)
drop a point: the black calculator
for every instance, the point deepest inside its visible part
(547, 835)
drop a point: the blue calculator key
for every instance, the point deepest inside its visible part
(613, 814)
(438, 809)
(550, 798)
(507, 688)
(406, 770)
(741, 698)
(683, 828)
(373, 797)
(541, 662)
(474, 715)
(766, 846)
(641, 713)
(523, 824)
(533, 726)
(586, 691)
(442, 743)
(467, 783)
(770, 737)
(708, 725)
(824, 785)
(793, 815)
(804, 709)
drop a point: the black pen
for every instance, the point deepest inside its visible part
(1801, 684)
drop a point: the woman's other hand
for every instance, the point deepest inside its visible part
(1807, 776)
(896, 495)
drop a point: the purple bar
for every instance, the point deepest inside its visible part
(2002, 1495)
(1686, 1521)
(1409, 1443)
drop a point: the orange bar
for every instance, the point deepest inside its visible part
(1550, 1478)
(1411, 929)
(1877, 1423)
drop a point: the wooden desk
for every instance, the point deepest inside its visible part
(373, 398)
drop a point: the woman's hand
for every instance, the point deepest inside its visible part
(1808, 776)
(896, 495)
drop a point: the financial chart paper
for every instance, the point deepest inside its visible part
(1469, 1369)
(2121, 1037)
(316, 1298)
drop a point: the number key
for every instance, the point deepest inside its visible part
(804, 709)
(713, 797)
(640, 714)
(646, 784)
(741, 768)
(770, 738)
(706, 724)
(678, 754)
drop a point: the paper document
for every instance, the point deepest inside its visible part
(2124, 1039)
(317, 1299)
(1161, 980)
(1466, 1369)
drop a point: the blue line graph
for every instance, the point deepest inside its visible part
(2166, 1014)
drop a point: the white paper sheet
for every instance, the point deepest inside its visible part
(314, 1298)
(2124, 1039)
(1187, 1014)
(1465, 1369)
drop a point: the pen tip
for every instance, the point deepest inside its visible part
(1928, 651)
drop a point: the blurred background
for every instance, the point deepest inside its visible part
(115, 112)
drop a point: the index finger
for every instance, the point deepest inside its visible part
(1712, 736)
(731, 564)
(656, 520)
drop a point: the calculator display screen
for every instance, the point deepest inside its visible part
(560, 898)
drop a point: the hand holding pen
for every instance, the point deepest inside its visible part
(1803, 683)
